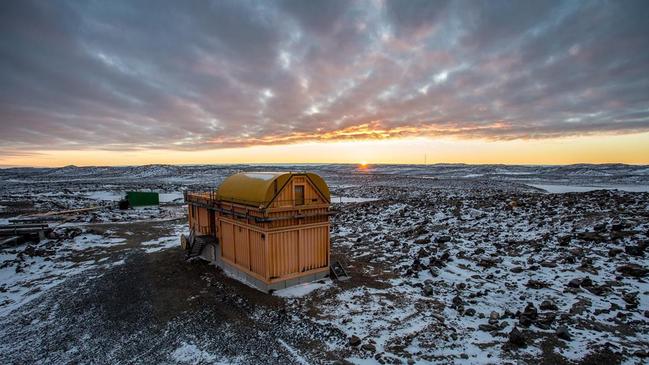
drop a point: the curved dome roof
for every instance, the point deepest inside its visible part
(258, 188)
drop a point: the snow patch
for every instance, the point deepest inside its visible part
(301, 290)
(188, 353)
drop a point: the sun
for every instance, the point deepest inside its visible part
(362, 164)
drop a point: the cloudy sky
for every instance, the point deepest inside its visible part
(118, 79)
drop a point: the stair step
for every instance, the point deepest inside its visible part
(338, 272)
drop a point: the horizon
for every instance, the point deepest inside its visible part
(382, 82)
(363, 165)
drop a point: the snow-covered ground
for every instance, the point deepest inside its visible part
(551, 188)
(448, 263)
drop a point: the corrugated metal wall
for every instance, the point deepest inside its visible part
(242, 246)
(257, 253)
(198, 219)
(227, 240)
(314, 248)
(283, 254)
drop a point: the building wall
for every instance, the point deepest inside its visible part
(277, 253)
(199, 219)
(313, 249)
(283, 253)
(276, 250)
(285, 198)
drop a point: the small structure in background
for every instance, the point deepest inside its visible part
(16, 233)
(142, 198)
(268, 229)
(139, 199)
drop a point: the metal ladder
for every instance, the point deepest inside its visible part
(194, 247)
(338, 272)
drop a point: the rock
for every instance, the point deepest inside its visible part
(574, 283)
(422, 241)
(369, 347)
(354, 340)
(634, 250)
(632, 270)
(614, 252)
(516, 338)
(586, 281)
(548, 305)
(494, 315)
(550, 264)
(564, 240)
(487, 327)
(422, 253)
(517, 269)
(600, 290)
(536, 284)
(470, 312)
(443, 239)
(528, 315)
(457, 301)
(545, 320)
(487, 262)
(641, 353)
(563, 333)
(600, 227)
(631, 298)
(428, 290)
(590, 236)
(569, 260)
(580, 306)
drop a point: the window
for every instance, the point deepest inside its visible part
(299, 194)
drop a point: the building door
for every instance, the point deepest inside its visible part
(299, 194)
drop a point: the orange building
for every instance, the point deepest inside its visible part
(271, 229)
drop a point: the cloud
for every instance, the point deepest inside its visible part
(132, 75)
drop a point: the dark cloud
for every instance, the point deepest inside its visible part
(211, 74)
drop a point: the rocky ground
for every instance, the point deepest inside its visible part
(443, 270)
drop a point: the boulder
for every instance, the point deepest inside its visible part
(516, 338)
(536, 284)
(487, 327)
(548, 305)
(428, 290)
(634, 270)
(574, 283)
(634, 250)
(369, 347)
(563, 333)
(470, 312)
(614, 252)
(354, 340)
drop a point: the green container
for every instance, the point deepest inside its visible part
(142, 198)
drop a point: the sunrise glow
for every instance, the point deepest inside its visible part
(331, 82)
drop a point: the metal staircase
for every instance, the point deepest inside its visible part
(338, 272)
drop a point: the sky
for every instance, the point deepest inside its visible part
(137, 82)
